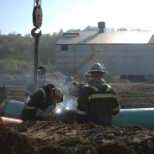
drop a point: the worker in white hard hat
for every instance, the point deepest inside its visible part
(44, 98)
(98, 101)
(87, 77)
(74, 87)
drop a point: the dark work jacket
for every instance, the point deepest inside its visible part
(40, 99)
(97, 103)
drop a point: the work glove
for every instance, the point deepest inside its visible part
(41, 114)
(26, 99)
(76, 84)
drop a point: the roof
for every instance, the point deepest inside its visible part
(107, 37)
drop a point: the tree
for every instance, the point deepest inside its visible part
(91, 28)
(12, 64)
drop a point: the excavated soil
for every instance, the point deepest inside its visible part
(51, 137)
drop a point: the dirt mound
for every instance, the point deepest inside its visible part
(44, 137)
(13, 142)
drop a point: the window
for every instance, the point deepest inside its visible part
(64, 47)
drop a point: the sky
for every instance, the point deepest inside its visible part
(16, 15)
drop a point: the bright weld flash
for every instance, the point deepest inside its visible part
(58, 110)
(67, 108)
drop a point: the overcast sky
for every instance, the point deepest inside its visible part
(16, 15)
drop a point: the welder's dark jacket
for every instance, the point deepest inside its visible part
(97, 103)
(40, 99)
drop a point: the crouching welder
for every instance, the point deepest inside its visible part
(98, 101)
(42, 100)
(43, 104)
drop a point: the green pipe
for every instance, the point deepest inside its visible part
(126, 117)
(143, 117)
(13, 109)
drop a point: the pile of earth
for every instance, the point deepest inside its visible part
(47, 137)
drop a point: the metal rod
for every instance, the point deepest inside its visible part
(36, 62)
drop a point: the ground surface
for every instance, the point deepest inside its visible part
(50, 137)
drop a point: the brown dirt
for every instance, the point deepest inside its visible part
(47, 137)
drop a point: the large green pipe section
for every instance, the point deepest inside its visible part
(143, 117)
